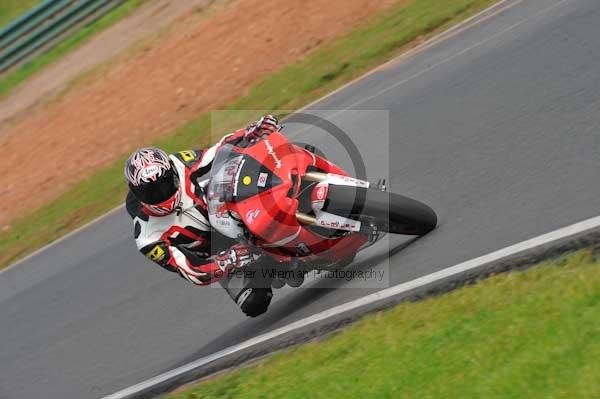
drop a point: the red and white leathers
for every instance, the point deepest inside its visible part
(182, 241)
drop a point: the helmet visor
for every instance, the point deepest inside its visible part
(158, 191)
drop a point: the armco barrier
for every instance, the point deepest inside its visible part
(45, 26)
(30, 21)
(23, 19)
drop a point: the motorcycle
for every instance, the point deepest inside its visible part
(302, 211)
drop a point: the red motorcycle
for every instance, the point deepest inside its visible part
(301, 209)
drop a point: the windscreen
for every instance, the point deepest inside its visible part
(223, 178)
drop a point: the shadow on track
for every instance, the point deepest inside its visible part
(290, 305)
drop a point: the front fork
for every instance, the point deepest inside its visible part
(328, 220)
(319, 193)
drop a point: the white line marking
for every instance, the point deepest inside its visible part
(445, 60)
(521, 247)
(462, 52)
(439, 38)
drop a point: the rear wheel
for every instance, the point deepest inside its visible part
(390, 212)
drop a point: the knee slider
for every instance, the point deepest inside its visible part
(254, 301)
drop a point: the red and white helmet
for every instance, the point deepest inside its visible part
(153, 180)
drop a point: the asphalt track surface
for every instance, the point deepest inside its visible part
(497, 127)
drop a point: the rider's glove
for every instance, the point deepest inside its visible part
(237, 256)
(263, 127)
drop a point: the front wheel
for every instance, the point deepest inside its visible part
(390, 212)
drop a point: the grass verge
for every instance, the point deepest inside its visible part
(531, 334)
(320, 72)
(14, 78)
(12, 9)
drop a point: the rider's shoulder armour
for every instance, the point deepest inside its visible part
(188, 157)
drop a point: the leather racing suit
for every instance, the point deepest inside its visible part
(183, 241)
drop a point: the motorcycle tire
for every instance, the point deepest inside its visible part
(390, 212)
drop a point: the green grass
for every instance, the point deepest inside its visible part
(14, 78)
(320, 72)
(12, 9)
(532, 334)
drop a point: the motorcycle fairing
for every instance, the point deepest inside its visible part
(269, 212)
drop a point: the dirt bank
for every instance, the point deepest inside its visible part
(203, 64)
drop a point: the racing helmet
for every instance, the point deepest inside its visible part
(153, 180)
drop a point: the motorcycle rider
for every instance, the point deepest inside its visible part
(167, 203)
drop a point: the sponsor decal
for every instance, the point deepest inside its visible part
(318, 195)
(347, 224)
(247, 180)
(262, 180)
(346, 180)
(321, 193)
(271, 152)
(157, 254)
(187, 155)
(150, 172)
(329, 223)
(251, 215)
